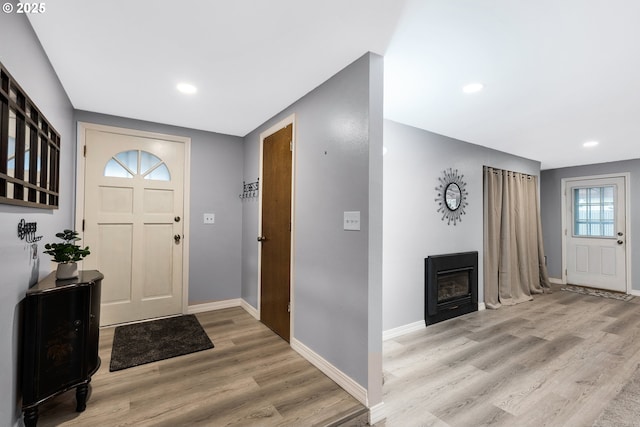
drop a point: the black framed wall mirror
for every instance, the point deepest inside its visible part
(453, 196)
(29, 150)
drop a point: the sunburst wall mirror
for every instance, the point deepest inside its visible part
(452, 196)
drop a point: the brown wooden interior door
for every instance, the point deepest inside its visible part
(275, 275)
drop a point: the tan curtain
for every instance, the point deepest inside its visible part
(514, 266)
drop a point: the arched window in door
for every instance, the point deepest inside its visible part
(128, 164)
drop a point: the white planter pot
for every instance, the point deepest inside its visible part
(67, 270)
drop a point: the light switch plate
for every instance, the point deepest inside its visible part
(352, 221)
(209, 218)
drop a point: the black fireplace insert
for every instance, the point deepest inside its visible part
(451, 286)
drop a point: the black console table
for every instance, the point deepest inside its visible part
(60, 340)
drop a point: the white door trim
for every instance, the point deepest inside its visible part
(82, 127)
(627, 195)
(290, 120)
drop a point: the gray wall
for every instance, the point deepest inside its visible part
(413, 229)
(331, 283)
(216, 183)
(551, 206)
(21, 54)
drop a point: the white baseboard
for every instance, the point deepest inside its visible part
(634, 292)
(415, 326)
(401, 330)
(219, 305)
(339, 377)
(377, 413)
(556, 281)
(215, 305)
(250, 309)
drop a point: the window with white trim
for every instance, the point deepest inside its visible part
(594, 211)
(128, 164)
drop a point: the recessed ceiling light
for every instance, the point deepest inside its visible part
(473, 88)
(186, 88)
(589, 144)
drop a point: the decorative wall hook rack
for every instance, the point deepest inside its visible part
(27, 231)
(250, 190)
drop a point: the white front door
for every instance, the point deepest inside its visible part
(596, 233)
(133, 223)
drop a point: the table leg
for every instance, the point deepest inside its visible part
(81, 397)
(31, 417)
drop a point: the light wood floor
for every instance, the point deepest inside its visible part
(556, 361)
(251, 378)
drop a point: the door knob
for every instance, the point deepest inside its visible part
(176, 219)
(177, 238)
(261, 238)
(619, 233)
(620, 242)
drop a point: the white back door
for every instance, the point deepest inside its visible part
(595, 233)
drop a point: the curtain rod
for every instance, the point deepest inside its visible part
(498, 171)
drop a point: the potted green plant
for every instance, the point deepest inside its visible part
(67, 254)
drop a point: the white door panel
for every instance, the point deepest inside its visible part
(595, 234)
(115, 263)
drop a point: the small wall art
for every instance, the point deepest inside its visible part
(451, 196)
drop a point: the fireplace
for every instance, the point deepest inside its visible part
(451, 286)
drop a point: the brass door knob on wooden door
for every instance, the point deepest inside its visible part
(261, 238)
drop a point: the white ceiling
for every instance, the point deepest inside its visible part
(557, 73)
